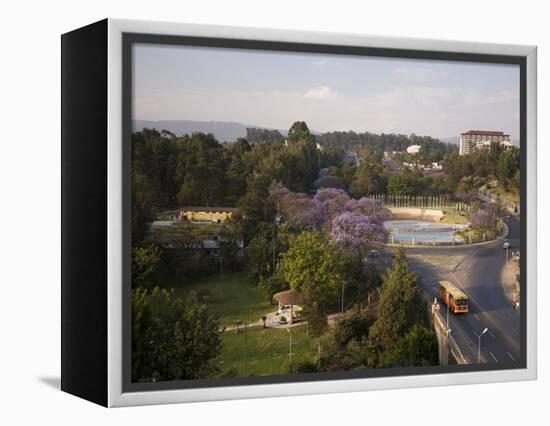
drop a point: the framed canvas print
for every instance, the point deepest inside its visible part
(253, 213)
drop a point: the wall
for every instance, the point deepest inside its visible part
(29, 179)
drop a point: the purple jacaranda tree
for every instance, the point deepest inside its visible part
(333, 199)
(299, 210)
(356, 232)
(370, 207)
(305, 213)
(485, 219)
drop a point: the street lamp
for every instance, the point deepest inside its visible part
(479, 343)
(342, 298)
(289, 346)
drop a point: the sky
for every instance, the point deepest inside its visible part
(329, 92)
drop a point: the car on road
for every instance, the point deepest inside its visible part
(506, 245)
(374, 253)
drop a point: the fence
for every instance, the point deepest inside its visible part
(506, 202)
(440, 202)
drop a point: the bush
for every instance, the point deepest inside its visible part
(300, 367)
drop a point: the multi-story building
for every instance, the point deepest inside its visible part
(476, 139)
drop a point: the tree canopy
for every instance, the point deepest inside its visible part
(172, 339)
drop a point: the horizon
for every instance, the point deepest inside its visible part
(330, 92)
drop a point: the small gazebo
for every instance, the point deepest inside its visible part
(288, 299)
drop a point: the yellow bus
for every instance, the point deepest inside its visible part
(455, 299)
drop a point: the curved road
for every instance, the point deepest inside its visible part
(477, 271)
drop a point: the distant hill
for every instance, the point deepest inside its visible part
(222, 131)
(452, 139)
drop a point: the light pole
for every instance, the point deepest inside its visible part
(289, 346)
(479, 343)
(342, 298)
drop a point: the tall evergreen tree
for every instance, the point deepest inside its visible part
(402, 305)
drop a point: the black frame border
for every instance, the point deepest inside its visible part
(129, 39)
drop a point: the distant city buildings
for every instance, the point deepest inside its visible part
(413, 149)
(477, 139)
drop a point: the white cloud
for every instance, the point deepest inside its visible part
(321, 92)
(415, 108)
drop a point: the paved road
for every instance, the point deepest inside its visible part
(477, 270)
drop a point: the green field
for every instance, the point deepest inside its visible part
(233, 296)
(453, 218)
(267, 349)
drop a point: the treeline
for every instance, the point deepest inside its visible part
(470, 172)
(461, 174)
(432, 149)
(196, 169)
(258, 135)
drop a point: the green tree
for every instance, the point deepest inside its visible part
(311, 257)
(402, 305)
(369, 179)
(299, 131)
(313, 309)
(406, 183)
(172, 339)
(145, 262)
(142, 207)
(417, 348)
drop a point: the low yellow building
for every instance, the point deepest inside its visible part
(206, 214)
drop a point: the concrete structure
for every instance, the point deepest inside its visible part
(406, 213)
(289, 302)
(477, 139)
(413, 149)
(206, 214)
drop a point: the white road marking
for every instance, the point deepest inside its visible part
(510, 355)
(491, 334)
(496, 360)
(476, 317)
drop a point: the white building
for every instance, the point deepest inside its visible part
(413, 149)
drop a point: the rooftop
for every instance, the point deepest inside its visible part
(207, 209)
(485, 133)
(289, 297)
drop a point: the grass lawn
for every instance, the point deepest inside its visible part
(454, 218)
(234, 296)
(267, 349)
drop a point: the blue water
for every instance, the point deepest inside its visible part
(423, 232)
